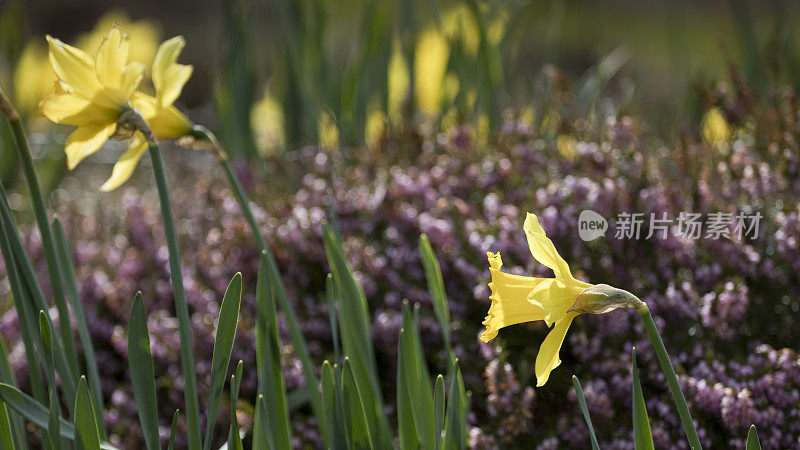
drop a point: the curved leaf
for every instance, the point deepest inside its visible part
(582, 402)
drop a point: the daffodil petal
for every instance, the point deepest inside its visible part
(74, 69)
(111, 58)
(166, 56)
(543, 250)
(548, 359)
(132, 74)
(554, 298)
(86, 140)
(126, 164)
(73, 110)
(170, 123)
(509, 297)
(146, 104)
(172, 82)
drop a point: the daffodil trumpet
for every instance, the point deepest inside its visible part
(557, 301)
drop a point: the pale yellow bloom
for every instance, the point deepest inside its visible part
(327, 131)
(398, 80)
(556, 301)
(165, 120)
(716, 130)
(267, 122)
(34, 79)
(430, 66)
(91, 93)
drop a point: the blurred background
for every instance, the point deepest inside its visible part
(454, 119)
(273, 74)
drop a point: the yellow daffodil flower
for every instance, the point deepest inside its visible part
(91, 93)
(33, 77)
(165, 120)
(557, 301)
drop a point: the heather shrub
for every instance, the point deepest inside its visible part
(725, 307)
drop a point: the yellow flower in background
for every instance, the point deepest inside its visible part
(91, 93)
(267, 122)
(165, 120)
(398, 81)
(430, 66)
(375, 127)
(33, 77)
(144, 36)
(459, 23)
(556, 301)
(567, 146)
(716, 130)
(327, 131)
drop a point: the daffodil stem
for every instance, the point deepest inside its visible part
(244, 203)
(672, 377)
(181, 309)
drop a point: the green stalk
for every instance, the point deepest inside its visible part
(182, 311)
(40, 214)
(672, 377)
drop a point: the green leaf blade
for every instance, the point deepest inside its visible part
(223, 347)
(433, 274)
(753, 443)
(642, 437)
(142, 372)
(439, 409)
(271, 382)
(582, 402)
(87, 436)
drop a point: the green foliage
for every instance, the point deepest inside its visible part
(53, 425)
(433, 273)
(87, 437)
(223, 346)
(752, 439)
(642, 437)
(235, 88)
(354, 326)
(71, 286)
(173, 431)
(416, 418)
(582, 402)
(140, 364)
(261, 436)
(234, 437)
(349, 408)
(270, 375)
